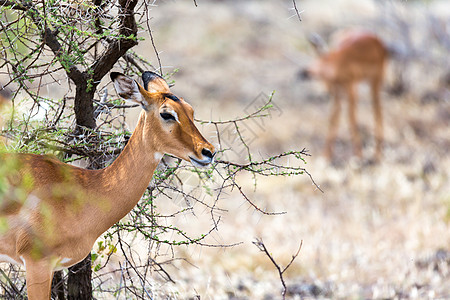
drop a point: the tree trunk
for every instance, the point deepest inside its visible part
(58, 291)
(84, 105)
(79, 286)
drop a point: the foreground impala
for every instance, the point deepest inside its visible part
(359, 56)
(54, 212)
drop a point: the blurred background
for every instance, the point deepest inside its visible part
(377, 231)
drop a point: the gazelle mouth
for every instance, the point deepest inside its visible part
(200, 163)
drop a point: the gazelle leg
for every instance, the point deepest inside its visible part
(333, 122)
(378, 117)
(352, 107)
(39, 279)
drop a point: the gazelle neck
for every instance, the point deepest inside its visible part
(125, 180)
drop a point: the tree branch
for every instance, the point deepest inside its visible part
(260, 245)
(118, 48)
(51, 41)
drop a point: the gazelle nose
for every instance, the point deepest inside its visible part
(207, 153)
(304, 74)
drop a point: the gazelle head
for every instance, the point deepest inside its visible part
(319, 67)
(169, 120)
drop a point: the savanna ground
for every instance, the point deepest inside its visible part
(377, 231)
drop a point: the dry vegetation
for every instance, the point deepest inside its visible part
(378, 231)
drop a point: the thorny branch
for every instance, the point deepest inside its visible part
(296, 10)
(261, 112)
(262, 247)
(147, 22)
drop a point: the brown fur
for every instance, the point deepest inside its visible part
(359, 56)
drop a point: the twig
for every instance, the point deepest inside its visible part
(147, 21)
(127, 57)
(8, 280)
(259, 113)
(296, 11)
(260, 245)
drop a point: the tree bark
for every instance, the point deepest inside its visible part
(79, 283)
(58, 291)
(84, 105)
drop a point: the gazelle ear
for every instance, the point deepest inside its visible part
(318, 43)
(127, 88)
(153, 83)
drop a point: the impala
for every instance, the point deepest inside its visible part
(359, 56)
(54, 211)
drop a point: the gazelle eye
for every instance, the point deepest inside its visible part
(167, 116)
